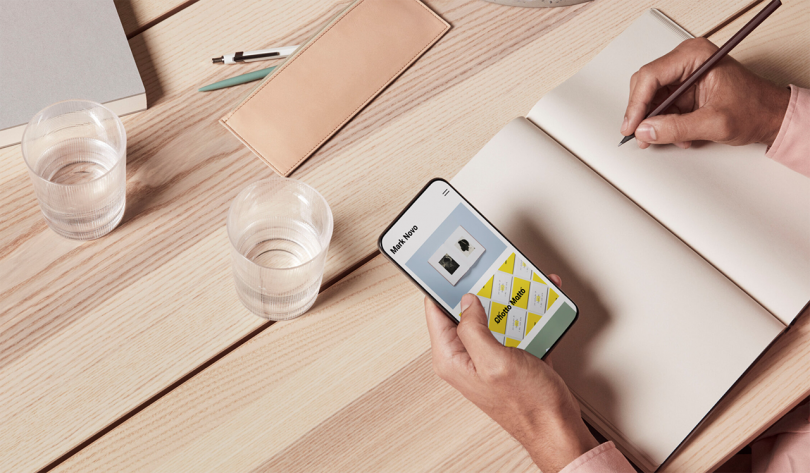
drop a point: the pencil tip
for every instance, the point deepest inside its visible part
(627, 138)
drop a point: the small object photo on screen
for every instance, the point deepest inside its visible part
(465, 246)
(454, 258)
(449, 264)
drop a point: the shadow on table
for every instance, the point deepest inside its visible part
(140, 51)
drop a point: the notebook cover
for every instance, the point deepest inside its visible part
(331, 78)
(68, 49)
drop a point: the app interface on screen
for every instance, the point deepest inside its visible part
(447, 248)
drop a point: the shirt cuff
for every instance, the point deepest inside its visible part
(602, 459)
(792, 144)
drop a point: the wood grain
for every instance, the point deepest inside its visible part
(778, 48)
(400, 422)
(60, 329)
(409, 418)
(90, 330)
(363, 397)
(138, 15)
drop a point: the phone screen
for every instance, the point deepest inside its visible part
(449, 249)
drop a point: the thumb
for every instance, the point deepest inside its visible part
(702, 124)
(473, 330)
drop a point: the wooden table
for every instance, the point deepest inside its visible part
(132, 352)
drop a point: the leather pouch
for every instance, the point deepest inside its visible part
(331, 78)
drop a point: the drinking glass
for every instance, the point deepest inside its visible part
(279, 231)
(76, 156)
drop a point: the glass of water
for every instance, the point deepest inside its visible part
(76, 156)
(279, 231)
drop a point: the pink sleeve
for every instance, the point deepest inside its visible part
(603, 459)
(792, 144)
(786, 445)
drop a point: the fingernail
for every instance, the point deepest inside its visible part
(466, 301)
(645, 132)
(624, 125)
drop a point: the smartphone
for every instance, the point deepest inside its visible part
(449, 249)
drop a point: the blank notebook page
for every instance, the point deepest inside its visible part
(747, 215)
(661, 334)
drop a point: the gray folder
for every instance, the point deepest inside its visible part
(54, 50)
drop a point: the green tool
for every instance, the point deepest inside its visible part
(243, 79)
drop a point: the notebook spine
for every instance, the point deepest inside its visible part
(676, 28)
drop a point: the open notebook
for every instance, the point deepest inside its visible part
(685, 264)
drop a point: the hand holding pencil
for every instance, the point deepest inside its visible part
(707, 95)
(729, 104)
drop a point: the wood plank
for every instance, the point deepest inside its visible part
(365, 399)
(412, 418)
(183, 169)
(353, 346)
(56, 295)
(138, 15)
(778, 48)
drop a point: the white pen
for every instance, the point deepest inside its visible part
(260, 55)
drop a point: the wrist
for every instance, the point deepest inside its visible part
(567, 440)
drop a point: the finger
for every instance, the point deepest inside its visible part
(684, 144)
(444, 342)
(702, 124)
(672, 68)
(441, 329)
(647, 81)
(556, 280)
(473, 330)
(437, 321)
(685, 103)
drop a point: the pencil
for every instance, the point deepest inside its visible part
(714, 59)
(236, 80)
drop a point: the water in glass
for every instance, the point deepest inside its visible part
(86, 187)
(279, 231)
(76, 156)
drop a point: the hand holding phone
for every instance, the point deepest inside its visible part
(449, 249)
(520, 392)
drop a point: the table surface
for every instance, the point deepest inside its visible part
(132, 352)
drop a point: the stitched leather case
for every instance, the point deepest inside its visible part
(330, 78)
